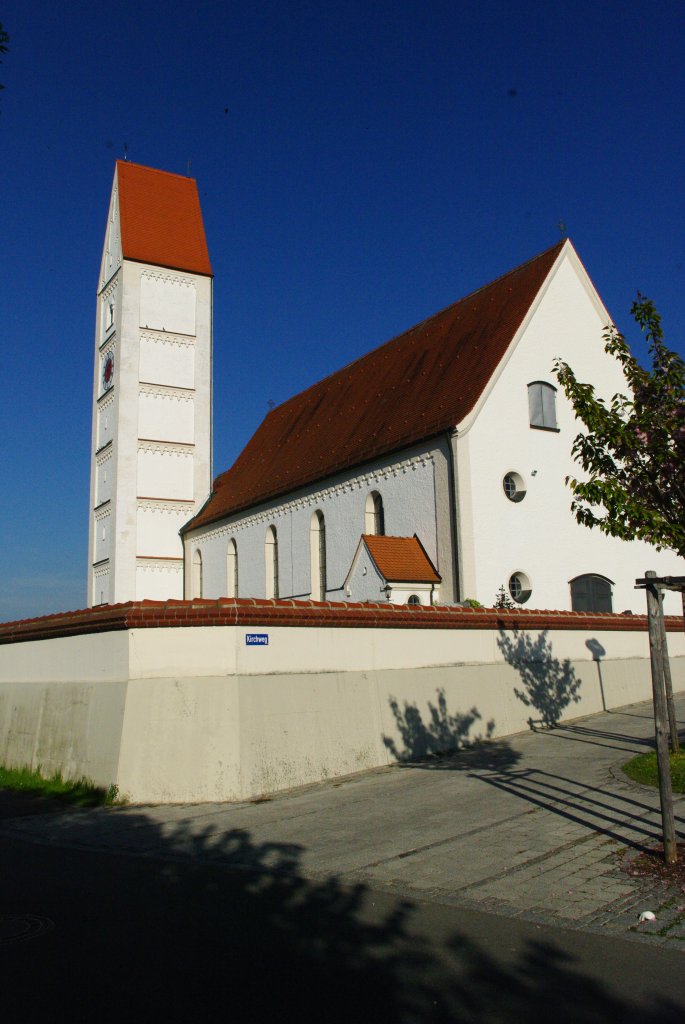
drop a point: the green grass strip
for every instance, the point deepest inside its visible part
(644, 769)
(80, 793)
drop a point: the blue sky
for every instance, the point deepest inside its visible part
(360, 166)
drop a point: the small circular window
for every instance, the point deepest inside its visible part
(514, 487)
(519, 587)
(414, 599)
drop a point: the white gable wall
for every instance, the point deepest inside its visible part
(538, 535)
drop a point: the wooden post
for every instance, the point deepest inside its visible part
(668, 683)
(660, 720)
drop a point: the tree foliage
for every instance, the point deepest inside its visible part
(632, 450)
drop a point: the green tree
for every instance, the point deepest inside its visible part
(632, 450)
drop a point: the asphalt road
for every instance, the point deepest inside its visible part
(92, 936)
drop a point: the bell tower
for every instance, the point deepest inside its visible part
(152, 386)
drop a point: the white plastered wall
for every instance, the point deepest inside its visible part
(407, 482)
(539, 535)
(198, 714)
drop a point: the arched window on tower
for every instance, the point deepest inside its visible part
(591, 593)
(271, 562)
(197, 573)
(374, 516)
(232, 569)
(317, 538)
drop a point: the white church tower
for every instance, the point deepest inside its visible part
(152, 398)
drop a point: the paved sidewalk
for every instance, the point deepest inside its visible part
(537, 825)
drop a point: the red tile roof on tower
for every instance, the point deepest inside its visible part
(412, 388)
(401, 559)
(161, 221)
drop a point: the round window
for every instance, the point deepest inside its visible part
(519, 587)
(514, 487)
(414, 599)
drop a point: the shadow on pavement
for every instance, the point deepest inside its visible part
(586, 734)
(239, 933)
(601, 813)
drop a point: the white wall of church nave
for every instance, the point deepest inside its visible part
(539, 535)
(406, 485)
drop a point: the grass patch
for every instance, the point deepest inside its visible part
(81, 793)
(644, 769)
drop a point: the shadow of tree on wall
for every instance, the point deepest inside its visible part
(193, 915)
(444, 734)
(549, 685)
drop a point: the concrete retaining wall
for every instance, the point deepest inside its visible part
(190, 712)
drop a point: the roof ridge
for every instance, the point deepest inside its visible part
(155, 170)
(416, 326)
(410, 388)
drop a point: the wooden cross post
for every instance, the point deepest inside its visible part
(660, 718)
(668, 682)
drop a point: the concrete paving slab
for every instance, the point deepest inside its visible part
(537, 825)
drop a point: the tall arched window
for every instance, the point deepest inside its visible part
(591, 593)
(197, 573)
(271, 562)
(374, 516)
(317, 538)
(542, 403)
(232, 569)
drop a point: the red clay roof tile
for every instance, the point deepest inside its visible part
(401, 559)
(412, 388)
(161, 221)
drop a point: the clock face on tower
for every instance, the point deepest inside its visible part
(108, 372)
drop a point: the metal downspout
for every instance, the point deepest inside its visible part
(455, 532)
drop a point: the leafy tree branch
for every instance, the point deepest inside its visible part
(633, 448)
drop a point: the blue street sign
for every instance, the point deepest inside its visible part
(257, 639)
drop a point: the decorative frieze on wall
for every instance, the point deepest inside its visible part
(164, 391)
(172, 507)
(174, 565)
(165, 338)
(103, 512)
(364, 481)
(104, 454)
(165, 448)
(168, 276)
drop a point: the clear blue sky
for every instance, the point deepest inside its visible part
(360, 166)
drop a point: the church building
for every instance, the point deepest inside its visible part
(430, 471)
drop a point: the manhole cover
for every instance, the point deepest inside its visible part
(22, 927)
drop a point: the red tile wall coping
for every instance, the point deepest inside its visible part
(256, 612)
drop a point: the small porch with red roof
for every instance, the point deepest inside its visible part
(397, 568)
